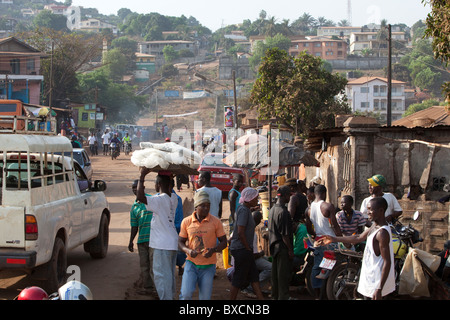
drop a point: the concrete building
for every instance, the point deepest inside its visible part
(370, 94)
(337, 31)
(96, 25)
(323, 47)
(359, 41)
(156, 47)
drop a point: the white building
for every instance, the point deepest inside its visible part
(96, 25)
(370, 94)
(341, 32)
(369, 40)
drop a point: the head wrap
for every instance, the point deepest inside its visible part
(200, 197)
(248, 194)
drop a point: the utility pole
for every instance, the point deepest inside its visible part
(51, 79)
(235, 100)
(389, 91)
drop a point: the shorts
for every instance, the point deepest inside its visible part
(245, 271)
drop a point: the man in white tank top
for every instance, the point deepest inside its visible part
(320, 221)
(377, 277)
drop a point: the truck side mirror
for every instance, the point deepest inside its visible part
(99, 185)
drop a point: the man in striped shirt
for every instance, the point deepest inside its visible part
(140, 220)
(350, 221)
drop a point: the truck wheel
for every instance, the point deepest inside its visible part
(57, 267)
(98, 247)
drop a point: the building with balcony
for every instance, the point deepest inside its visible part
(360, 41)
(19, 71)
(337, 31)
(156, 47)
(324, 47)
(370, 94)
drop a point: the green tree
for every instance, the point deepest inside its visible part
(169, 54)
(413, 108)
(123, 106)
(46, 19)
(71, 52)
(115, 63)
(278, 41)
(438, 27)
(298, 91)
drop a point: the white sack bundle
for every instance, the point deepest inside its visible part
(162, 155)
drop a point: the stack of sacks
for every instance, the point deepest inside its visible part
(162, 155)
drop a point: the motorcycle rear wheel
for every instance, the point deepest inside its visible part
(342, 281)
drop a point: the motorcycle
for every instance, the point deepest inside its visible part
(72, 290)
(115, 150)
(127, 148)
(344, 273)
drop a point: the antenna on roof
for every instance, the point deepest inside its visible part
(349, 12)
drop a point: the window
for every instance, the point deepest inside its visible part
(365, 105)
(365, 90)
(317, 44)
(15, 66)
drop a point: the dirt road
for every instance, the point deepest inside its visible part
(117, 276)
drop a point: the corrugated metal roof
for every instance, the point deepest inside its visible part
(430, 117)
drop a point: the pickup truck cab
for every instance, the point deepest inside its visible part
(47, 207)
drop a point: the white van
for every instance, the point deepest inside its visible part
(47, 207)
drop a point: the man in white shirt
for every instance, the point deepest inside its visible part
(92, 140)
(106, 137)
(376, 185)
(163, 235)
(215, 195)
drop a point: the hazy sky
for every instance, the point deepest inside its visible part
(213, 14)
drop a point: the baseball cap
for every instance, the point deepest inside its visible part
(377, 180)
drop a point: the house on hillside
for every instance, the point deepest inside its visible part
(156, 47)
(323, 47)
(20, 66)
(370, 94)
(369, 40)
(96, 25)
(337, 31)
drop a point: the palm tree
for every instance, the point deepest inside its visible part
(343, 23)
(382, 37)
(270, 27)
(284, 28)
(304, 23)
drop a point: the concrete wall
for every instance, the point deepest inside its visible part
(361, 63)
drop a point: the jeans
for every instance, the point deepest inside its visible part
(193, 276)
(164, 262)
(146, 264)
(264, 267)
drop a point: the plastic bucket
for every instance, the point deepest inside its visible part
(265, 203)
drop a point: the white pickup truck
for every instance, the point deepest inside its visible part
(47, 207)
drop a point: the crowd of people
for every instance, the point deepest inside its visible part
(166, 239)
